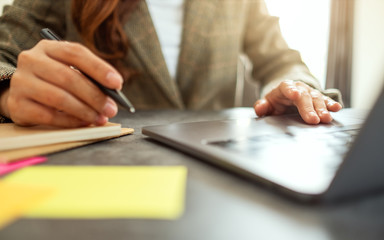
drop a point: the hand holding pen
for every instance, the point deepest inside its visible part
(116, 95)
(45, 90)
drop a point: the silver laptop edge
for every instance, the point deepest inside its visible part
(358, 173)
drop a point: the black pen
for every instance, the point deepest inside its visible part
(115, 94)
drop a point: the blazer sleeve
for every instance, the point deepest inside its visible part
(273, 61)
(20, 26)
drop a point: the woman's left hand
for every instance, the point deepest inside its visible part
(312, 105)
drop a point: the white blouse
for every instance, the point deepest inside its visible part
(167, 16)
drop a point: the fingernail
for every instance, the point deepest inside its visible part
(313, 117)
(261, 102)
(324, 113)
(114, 77)
(101, 120)
(109, 109)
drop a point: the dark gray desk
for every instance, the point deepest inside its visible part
(219, 205)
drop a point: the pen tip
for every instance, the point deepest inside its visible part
(132, 110)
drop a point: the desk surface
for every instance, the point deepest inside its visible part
(219, 205)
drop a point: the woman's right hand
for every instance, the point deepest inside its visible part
(45, 90)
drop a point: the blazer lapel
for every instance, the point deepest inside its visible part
(145, 50)
(198, 18)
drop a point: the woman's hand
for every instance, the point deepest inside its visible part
(312, 105)
(46, 90)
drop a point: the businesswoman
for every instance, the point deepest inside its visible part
(162, 54)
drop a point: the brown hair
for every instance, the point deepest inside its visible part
(100, 24)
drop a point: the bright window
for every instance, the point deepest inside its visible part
(305, 27)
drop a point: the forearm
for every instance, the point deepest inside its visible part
(294, 72)
(272, 59)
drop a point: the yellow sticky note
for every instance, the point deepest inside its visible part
(107, 192)
(16, 199)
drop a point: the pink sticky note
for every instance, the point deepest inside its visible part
(9, 167)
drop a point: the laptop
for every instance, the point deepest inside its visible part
(328, 162)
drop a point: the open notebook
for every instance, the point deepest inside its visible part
(18, 142)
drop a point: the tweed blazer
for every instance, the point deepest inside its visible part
(215, 33)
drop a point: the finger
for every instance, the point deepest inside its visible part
(75, 54)
(332, 105)
(278, 103)
(282, 97)
(34, 114)
(320, 106)
(289, 90)
(78, 85)
(262, 107)
(305, 107)
(59, 99)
